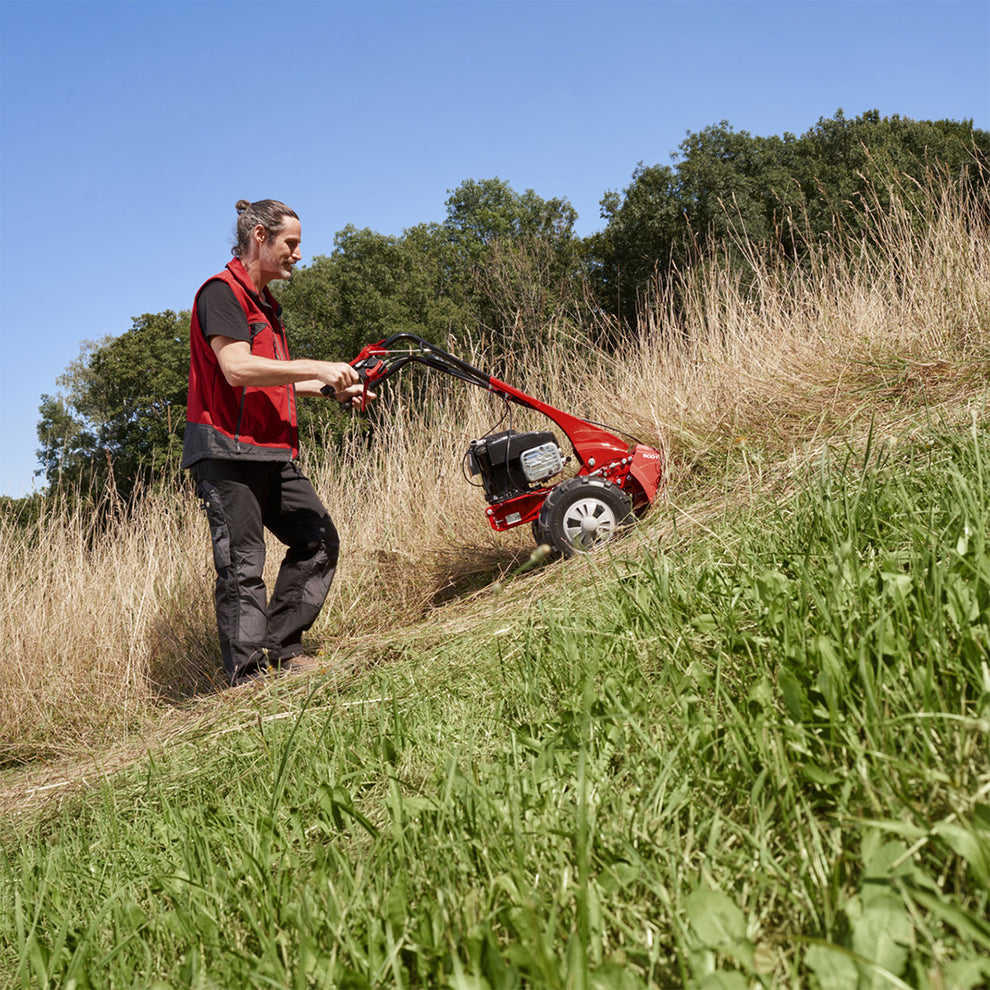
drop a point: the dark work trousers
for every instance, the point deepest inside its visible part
(241, 499)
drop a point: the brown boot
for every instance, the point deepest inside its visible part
(303, 664)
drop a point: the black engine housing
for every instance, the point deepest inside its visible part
(497, 458)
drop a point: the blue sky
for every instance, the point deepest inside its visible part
(129, 128)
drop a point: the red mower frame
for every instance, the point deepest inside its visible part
(615, 480)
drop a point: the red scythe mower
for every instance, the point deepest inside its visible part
(615, 480)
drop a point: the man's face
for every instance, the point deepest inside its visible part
(280, 251)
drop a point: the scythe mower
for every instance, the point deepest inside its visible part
(615, 480)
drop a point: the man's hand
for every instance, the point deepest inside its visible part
(341, 377)
(354, 397)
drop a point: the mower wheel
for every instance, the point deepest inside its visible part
(540, 535)
(582, 513)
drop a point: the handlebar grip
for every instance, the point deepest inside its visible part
(362, 370)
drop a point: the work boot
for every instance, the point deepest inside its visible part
(303, 664)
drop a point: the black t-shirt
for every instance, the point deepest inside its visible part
(220, 314)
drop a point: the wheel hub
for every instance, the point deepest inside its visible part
(587, 521)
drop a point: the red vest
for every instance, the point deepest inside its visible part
(244, 422)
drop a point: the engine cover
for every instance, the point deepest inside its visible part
(510, 462)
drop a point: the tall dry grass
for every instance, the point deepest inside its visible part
(107, 630)
(783, 355)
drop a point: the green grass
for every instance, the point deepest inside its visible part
(752, 757)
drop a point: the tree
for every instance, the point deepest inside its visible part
(645, 230)
(121, 409)
(728, 186)
(506, 242)
(444, 282)
(480, 213)
(371, 286)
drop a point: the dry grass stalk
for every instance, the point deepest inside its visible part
(109, 631)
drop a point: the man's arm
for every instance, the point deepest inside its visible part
(240, 367)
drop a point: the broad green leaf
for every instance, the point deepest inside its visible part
(881, 931)
(715, 918)
(612, 976)
(761, 693)
(833, 967)
(967, 974)
(720, 925)
(794, 694)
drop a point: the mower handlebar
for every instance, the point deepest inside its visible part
(594, 444)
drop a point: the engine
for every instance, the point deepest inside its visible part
(511, 463)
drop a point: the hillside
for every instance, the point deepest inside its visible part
(748, 746)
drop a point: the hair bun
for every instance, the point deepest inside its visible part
(242, 205)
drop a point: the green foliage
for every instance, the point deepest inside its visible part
(519, 255)
(121, 408)
(21, 514)
(373, 286)
(528, 269)
(445, 282)
(754, 758)
(480, 214)
(729, 187)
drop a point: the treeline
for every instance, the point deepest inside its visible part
(504, 263)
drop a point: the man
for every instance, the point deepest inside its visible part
(241, 445)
